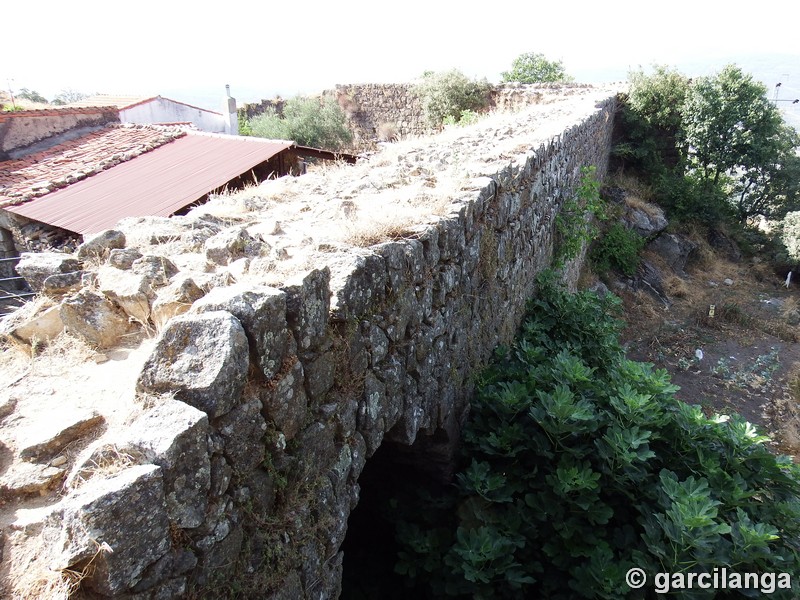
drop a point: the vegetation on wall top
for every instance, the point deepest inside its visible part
(448, 94)
(319, 123)
(532, 67)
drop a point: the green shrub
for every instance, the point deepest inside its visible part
(449, 94)
(532, 67)
(618, 249)
(574, 222)
(580, 465)
(306, 121)
(468, 117)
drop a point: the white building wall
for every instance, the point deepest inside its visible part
(163, 110)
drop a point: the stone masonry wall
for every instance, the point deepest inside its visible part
(378, 111)
(23, 129)
(261, 405)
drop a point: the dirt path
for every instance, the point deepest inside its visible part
(740, 356)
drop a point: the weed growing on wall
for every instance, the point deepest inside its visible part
(580, 464)
(574, 222)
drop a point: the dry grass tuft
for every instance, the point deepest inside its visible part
(387, 132)
(105, 461)
(676, 287)
(37, 580)
(61, 354)
(634, 187)
(365, 234)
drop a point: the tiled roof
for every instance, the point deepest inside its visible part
(111, 100)
(59, 166)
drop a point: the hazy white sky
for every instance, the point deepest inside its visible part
(267, 47)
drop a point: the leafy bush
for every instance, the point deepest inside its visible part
(618, 249)
(307, 121)
(449, 93)
(532, 67)
(468, 117)
(574, 221)
(581, 464)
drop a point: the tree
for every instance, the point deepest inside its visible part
(67, 96)
(653, 119)
(532, 67)
(770, 185)
(736, 138)
(725, 119)
(306, 121)
(31, 96)
(658, 97)
(449, 94)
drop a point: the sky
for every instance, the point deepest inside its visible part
(189, 50)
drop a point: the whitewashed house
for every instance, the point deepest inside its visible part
(155, 110)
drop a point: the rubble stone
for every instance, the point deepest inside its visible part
(202, 359)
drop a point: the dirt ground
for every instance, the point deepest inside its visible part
(730, 339)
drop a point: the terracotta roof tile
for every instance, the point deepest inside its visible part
(59, 166)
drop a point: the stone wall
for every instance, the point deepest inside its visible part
(378, 112)
(20, 131)
(261, 405)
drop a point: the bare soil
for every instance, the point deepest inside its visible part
(740, 356)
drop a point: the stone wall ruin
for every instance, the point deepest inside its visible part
(260, 403)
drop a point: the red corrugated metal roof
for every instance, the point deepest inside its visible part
(157, 183)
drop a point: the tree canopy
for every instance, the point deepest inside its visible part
(721, 134)
(533, 67)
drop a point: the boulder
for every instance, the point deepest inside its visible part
(174, 299)
(35, 267)
(675, 249)
(174, 436)
(243, 429)
(102, 243)
(93, 318)
(724, 244)
(26, 479)
(59, 284)
(285, 402)
(119, 523)
(156, 269)
(131, 291)
(52, 435)
(42, 326)
(262, 312)
(308, 300)
(123, 258)
(647, 222)
(231, 244)
(202, 359)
